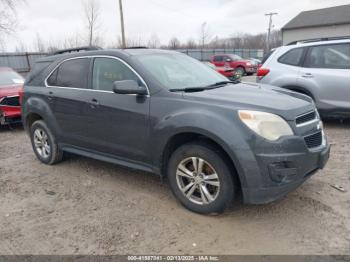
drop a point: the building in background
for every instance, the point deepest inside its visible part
(327, 22)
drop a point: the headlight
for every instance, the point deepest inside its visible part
(249, 64)
(269, 126)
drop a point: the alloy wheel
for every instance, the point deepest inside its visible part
(198, 180)
(41, 143)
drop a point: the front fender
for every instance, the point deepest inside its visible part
(223, 130)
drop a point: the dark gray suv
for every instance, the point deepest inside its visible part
(166, 113)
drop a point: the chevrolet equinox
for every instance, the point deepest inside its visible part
(166, 113)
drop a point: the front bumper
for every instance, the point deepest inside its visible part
(10, 115)
(283, 173)
(251, 69)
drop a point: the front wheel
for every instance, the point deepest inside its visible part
(240, 71)
(200, 178)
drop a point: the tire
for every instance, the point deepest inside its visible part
(213, 163)
(46, 149)
(240, 70)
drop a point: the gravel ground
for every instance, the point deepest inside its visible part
(84, 206)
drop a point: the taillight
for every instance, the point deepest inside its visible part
(262, 72)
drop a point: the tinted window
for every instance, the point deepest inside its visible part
(267, 56)
(72, 73)
(218, 58)
(329, 56)
(292, 57)
(107, 71)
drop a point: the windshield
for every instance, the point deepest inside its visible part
(179, 71)
(236, 57)
(10, 78)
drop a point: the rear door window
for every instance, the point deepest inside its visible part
(292, 57)
(329, 56)
(72, 73)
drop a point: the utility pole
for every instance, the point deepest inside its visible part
(122, 23)
(269, 30)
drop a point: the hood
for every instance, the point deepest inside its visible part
(246, 61)
(257, 97)
(11, 90)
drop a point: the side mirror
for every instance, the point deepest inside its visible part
(128, 87)
(228, 60)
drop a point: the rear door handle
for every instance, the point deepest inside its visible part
(50, 97)
(94, 103)
(307, 75)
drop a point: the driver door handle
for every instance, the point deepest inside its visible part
(94, 103)
(307, 75)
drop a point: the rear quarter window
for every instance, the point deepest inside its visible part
(292, 57)
(37, 74)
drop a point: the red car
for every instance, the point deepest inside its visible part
(225, 71)
(11, 90)
(240, 65)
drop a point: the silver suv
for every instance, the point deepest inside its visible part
(317, 68)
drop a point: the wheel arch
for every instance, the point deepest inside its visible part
(181, 138)
(300, 89)
(30, 119)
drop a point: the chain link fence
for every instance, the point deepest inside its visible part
(23, 62)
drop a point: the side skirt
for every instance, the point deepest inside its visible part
(109, 159)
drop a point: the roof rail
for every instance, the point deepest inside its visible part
(76, 49)
(319, 40)
(136, 47)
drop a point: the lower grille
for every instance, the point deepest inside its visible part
(10, 101)
(314, 140)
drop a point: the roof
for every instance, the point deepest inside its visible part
(321, 17)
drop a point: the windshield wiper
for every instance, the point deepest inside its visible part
(190, 89)
(202, 88)
(222, 83)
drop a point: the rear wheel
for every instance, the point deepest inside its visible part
(44, 143)
(200, 178)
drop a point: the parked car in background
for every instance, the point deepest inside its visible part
(11, 89)
(230, 73)
(164, 112)
(317, 68)
(255, 61)
(240, 65)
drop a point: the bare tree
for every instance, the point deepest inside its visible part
(92, 16)
(39, 44)
(21, 47)
(204, 35)
(174, 43)
(8, 16)
(191, 44)
(154, 41)
(73, 41)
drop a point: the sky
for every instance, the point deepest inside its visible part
(55, 20)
